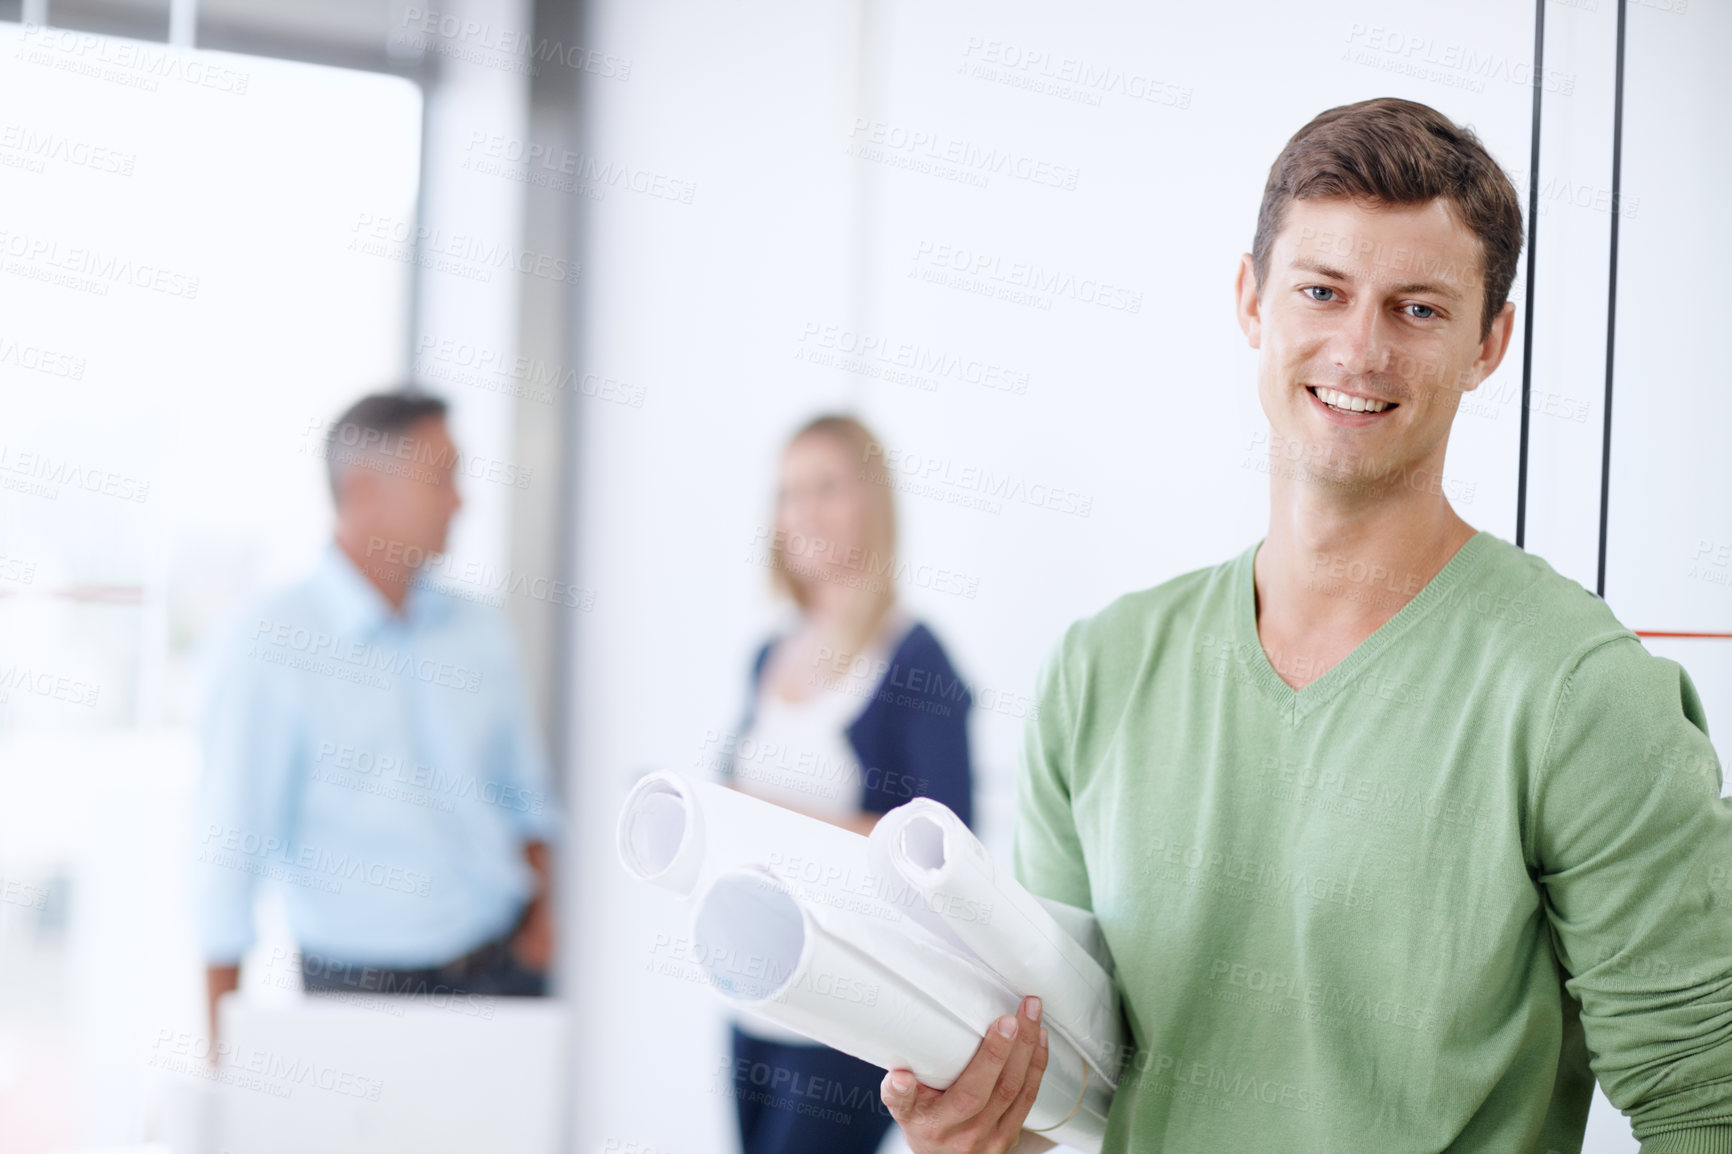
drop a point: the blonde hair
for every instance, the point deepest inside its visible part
(792, 579)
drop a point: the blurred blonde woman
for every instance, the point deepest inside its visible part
(852, 711)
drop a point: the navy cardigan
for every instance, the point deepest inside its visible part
(911, 740)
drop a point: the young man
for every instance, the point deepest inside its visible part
(1399, 838)
(369, 746)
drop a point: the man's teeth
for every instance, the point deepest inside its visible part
(1354, 404)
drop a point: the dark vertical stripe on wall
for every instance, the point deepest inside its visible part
(1528, 315)
(1612, 294)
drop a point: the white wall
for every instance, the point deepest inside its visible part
(718, 311)
(1669, 533)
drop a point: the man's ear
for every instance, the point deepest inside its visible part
(1246, 304)
(1496, 343)
(357, 488)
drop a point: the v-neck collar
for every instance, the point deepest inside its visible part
(1295, 704)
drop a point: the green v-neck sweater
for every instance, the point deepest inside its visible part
(1417, 905)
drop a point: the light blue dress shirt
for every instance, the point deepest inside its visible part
(381, 770)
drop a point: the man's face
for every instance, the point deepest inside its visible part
(1383, 304)
(404, 497)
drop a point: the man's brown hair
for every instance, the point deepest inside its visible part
(1387, 152)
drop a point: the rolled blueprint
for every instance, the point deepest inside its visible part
(888, 992)
(967, 901)
(902, 949)
(680, 834)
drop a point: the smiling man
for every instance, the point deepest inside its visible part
(1399, 838)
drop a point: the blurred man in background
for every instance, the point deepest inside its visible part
(369, 748)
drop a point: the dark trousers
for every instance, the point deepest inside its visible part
(806, 1099)
(489, 970)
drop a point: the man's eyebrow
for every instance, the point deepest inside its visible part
(1318, 267)
(1419, 286)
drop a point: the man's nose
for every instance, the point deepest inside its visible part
(1360, 345)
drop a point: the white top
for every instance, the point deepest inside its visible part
(797, 754)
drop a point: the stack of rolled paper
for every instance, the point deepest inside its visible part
(901, 948)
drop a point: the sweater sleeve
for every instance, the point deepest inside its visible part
(1046, 853)
(1633, 847)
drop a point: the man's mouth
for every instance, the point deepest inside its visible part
(1343, 403)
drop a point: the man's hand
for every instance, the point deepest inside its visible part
(532, 945)
(218, 980)
(983, 1110)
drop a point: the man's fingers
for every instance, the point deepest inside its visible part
(972, 1091)
(1011, 1124)
(905, 1096)
(897, 1091)
(1010, 1081)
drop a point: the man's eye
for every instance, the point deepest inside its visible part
(1317, 288)
(1426, 315)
